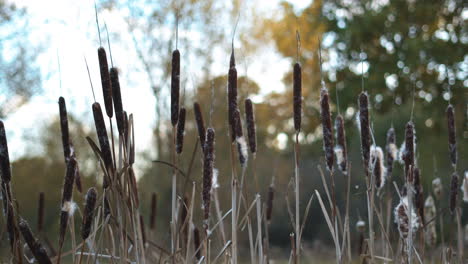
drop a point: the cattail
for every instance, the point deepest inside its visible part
(297, 96)
(364, 127)
(88, 214)
(153, 211)
(64, 128)
(117, 97)
(78, 178)
(232, 94)
(40, 213)
(391, 150)
(241, 144)
(10, 216)
(67, 204)
(452, 140)
(208, 163)
(125, 125)
(437, 188)
(196, 242)
(402, 218)
(175, 87)
(429, 219)
(341, 148)
(464, 187)
(180, 131)
(38, 251)
(377, 166)
(184, 204)
(105, 81)
(143, 230)
(453, 192)
(408, 154)
(200, 124)
(271, 196)
(5, 170)
(326, 127)
(418, 194)
(250, 119)
(102, 136)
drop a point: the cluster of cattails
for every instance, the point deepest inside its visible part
(208, 163)
(430, 221)
(377, 167)
(340, 149)
(327, 127)
(364, 127)
(402, 218)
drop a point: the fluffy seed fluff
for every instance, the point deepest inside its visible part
(377, 166)
(402, 218)
(437, 188)
(361, 226)
(429, 219)
(464, 187)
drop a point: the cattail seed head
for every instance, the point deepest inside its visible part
(117, 97)
(180, 131)
(327, 127)
(64, 128)
(429, 219)
(240, 140)
(452, 140)
(175, 87)
(68, 182)
(5, 170)
(88, 214)
(341, 148)
(153, 211)
(408, 154)
(208, 162)
(125, 125)
(271, 196)
(297, 96)
(464, 187)
(38, 251)
(453, 192)
(102, 135)
(402, 218)
(40, 212)
(364, 127)
(377, 166)
(418, 195)
(391, 150)
(250, 119)
(196, 242)
(437, 188)
(232, 95)
(200, 124)
(105, 81)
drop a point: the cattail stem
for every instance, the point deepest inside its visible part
(296, 175)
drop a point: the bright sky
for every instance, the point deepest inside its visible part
(67, 27)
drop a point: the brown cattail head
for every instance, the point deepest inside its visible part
(391, 150)
(341, 148)
(419, 194)
(196, 242)
(10, 215)
(64, 128)
(175, 87)
(153, 211)
(408, 155)
(117, 97)
(297, 96)
(68, 184)
(105, 81)
(327, 127)
(5, 170)
(143, 230)
(452, 140)
(240, 140)
(232, 94)
(402, 218)
(271, 196)
(78, 185)
(208, 162)
(250, 119)
(88, 214)
(37, 250)
(180, 131)
(40, 213)
(102, 136)
(364, 127)
(453, 192)
(200, 124)
(125, 125)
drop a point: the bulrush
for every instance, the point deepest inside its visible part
(102, 136)
(453, 192)
(408, 154)
(340, 147)
(38, 251)
(232, 94)
(64, 128)
(153, 210)
(391, 150)
(297, 96)
(452, 140)
(327, 127)
(402, 218)
(40, 212)
(105, 81)
(271, 196)
(180, 131)
(117, 97)
(143, 230)
(464, 187)
(377, 166)
(175, 86)
(5, 170)
(196, 243)
(240, 139)
(200, 124)
(418, 194)
(67, 205)
(88, 214)
(208, 163)
(364, 128)
(250, 120)
(429, 219)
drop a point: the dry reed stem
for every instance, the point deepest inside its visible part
(452, 140)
